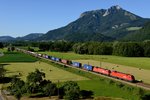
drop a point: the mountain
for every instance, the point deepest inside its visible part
(99, 25)
(6, 38)
(30, 37)
(140, 35)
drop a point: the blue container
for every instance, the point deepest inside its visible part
(88, 67)
(76, 64)
(53, 58)
(57, 59)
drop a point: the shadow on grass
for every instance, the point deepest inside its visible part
(5, 80)
(38, 95)
(2, 65)
(86, 94)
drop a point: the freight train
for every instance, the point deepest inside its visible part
(109, 73)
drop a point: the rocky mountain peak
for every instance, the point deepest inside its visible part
(116, 7)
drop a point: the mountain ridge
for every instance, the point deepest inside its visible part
(112, 23)
(28, 37)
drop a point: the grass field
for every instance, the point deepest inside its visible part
(3, 50)
(98, 86)
(133, 28)
(138, 62)
(140, 74)
(107, 90)
(16, 57)
(54, 75)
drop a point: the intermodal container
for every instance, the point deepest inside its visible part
(76, 64)
(53, 58)
(57, 59)
(64, 61)
(46, 56)
(87, 67)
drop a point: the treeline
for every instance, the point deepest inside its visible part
(60, 46)
(96, 48)
(1, 45)
(127, 49)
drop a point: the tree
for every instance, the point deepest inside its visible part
(44, 46)
(35, 77)
(11, 48)
(72, 90)
(50, 89)
(128, 49)
(145, 97)
(146, 46)
(16, 87)
(18, 95)
(1, 45)
(30, 49)
(33, 81)
(2, 71)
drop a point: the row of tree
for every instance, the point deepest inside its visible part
(128, 49)
(96, 48)
(36, 84)
(60, 46)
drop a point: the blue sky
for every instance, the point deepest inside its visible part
(21, 17)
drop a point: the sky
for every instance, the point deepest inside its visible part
(21, 17)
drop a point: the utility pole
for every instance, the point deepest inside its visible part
(58, 89)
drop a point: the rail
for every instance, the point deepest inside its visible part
(140, 85)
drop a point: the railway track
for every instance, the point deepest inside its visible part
(138, 84)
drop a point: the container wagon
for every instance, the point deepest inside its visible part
(101, 70)
(76, 64)
(88, 67)
(64, 61)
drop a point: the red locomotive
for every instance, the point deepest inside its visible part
(122, 76)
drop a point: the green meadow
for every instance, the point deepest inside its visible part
(23, 63)
(16, 57)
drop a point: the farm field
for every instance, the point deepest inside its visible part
(3, 50)
(99, 87)
(16, 57)
(52, 73)
(140, 74)
(138, 62)
(108, 90)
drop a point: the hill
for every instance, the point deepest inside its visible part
(6, 38)
(140, 35)
(98, 25)
(30, 37)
